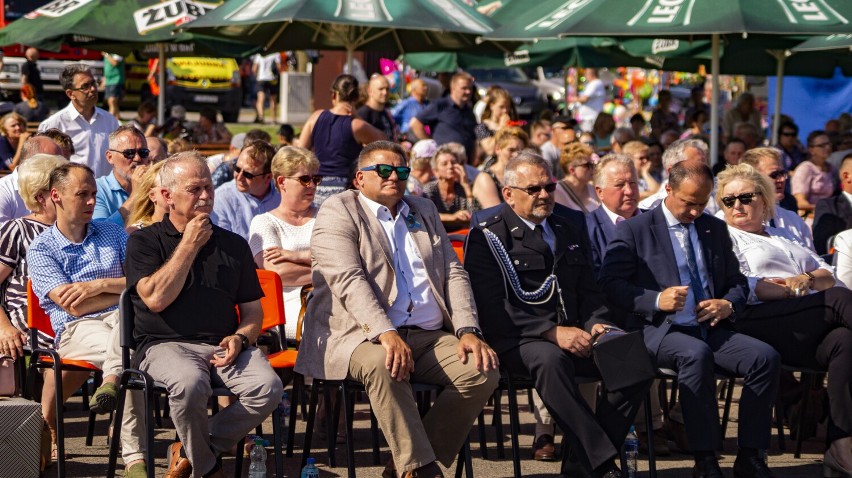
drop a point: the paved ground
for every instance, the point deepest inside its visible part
(91, 461)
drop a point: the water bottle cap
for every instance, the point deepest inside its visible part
(311, 461)
(632, 429)
(259, 441)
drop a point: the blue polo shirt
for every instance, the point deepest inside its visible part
(450, 123)
(54, 261)
(405, 110)
(109, 199)
(233, 210)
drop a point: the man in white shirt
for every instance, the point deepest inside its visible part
(87, 125)
(265, 69)
(396, 306)
(592, 99)
(681, 150)
(769, 161)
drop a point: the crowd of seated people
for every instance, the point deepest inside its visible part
(593, 235)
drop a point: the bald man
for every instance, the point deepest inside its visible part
(375, 110)
(409, 107)
(11, 204)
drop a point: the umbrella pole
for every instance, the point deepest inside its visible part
(714, 102)
(781, 59)
(349, 61)
(161, 80)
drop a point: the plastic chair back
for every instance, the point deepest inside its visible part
(458, 241)
(37, 318)
(272, 300)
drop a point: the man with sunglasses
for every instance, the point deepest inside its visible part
(391, 305)
(674, 270)
(129, 156)
(769, 161)
(534, 287)
(88, 126)
(250, 193)
(792, 152)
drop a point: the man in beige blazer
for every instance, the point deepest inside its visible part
(391, 304)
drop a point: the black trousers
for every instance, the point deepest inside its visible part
(595, 437)
(814, 332)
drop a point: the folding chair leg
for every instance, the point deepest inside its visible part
(483, 441)
(498, 424)
(514, 429)
(238, 462)
(332, 414)
(779, 425)
(464, 463)
(649, 429)
(298, 391)
(90, 428)
(309, 431)
(726, 415)
(348, 410)
(808, 380)
(277, 446)
(374, 431)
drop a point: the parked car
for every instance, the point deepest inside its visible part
(529, 100)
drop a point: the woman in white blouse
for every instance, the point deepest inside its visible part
(794, 304)
(280, 239)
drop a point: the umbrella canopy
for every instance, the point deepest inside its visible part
(118, 26)
(555, 18)
(390, 25)
(830, 42)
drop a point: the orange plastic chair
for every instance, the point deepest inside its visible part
(457, 239)
(37, 320)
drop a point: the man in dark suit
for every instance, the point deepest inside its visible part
(675, 269)
(547, 334)
(834, 214)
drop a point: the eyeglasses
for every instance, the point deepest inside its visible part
(536, 190)
(384, 171)
(306, 179)
(744, 198)
(246, 174)
(132, 152)
(780, 174)
(821, 145)
(788, 133)
(85, 86)
(587, 164)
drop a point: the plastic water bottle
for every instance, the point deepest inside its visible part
(284, 411)
(310, 470)
(631, 451)
(257, 469)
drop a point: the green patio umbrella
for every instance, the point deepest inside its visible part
(681, 19)
(120, 26)
(390, 25)
(829, 42)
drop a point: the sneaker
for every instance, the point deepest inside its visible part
(136, 470)
(105, 399)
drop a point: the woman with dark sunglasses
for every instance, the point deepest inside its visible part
(280, 239)
(575, 188)
(795, 304)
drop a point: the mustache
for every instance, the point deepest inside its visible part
(203, 203)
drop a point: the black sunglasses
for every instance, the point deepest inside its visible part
(781, 173)
(131, 153)
(306, 179)
(85, 86)
(384, 171)
(246, 174)
(745, 198)
(536, 190)
(788, 133)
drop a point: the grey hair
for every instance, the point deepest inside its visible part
(676, 152)
(448, 148)
(622, 159)
(124, 129)
(66, 78)
(168, 173)
(510, 175)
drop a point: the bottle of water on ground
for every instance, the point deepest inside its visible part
(631, 451)
(257, 469)
(284, 412)
(310, 470)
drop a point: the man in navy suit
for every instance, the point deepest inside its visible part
(675, 269)
(834, 214)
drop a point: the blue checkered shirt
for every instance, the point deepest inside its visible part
(54, 261)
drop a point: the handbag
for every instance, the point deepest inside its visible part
(622, 359)
(8, 382)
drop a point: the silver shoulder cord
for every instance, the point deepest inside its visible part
(547, 288)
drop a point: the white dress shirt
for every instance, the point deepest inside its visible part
(415, 305)
(788, 220)
(653, 200)
(843, 257)
(11, 204)
(679, 237)
(779, 255)
(90, 138)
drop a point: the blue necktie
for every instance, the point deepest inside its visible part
(692, 264)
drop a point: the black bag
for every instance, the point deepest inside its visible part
(622, 359)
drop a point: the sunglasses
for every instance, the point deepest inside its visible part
(745, 199)
(85, 86)
(821, 145)
(306, 179)
(536, 190)
(132, 152)
(246, 174)
(384, 171)
(788, 133)
(780, 174)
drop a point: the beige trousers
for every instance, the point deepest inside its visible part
(97, 340)
(442, 432)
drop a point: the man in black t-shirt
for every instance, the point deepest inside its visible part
(30, 73)
(188, 278)
(375, 110)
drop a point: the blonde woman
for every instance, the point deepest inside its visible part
(14, 129)
(575, 188)
(280, 239)
(487, 188)
(149, 205)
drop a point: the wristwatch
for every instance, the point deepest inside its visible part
(470, 330)
(244, 340)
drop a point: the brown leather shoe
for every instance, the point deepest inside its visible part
(179, 467)
(543, 448)
(432, 470)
